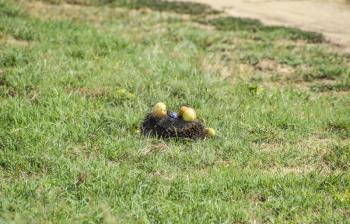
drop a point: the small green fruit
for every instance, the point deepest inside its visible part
(211, 132)
(159, 110)
(188, 114)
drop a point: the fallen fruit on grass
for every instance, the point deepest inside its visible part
(182, 110)
(159, 110)
(167, 124)
(211, 132)
(188, 114)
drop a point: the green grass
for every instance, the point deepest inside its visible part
(77, 79)
(255, 27)
(191, 8)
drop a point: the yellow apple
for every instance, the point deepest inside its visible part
(211, 132)
(188, 114)
(159, 110)
(182, 110)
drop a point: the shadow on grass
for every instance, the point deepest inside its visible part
(228, 23)
(8, 10)
(252, 25)
(327, 72)
(331, 87)
(180, 7)
(338, 157)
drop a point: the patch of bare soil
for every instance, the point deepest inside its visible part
(330, 18)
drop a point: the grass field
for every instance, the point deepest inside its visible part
(78, 76)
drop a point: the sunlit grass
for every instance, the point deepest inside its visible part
(77, 79)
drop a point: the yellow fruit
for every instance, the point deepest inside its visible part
(188, 114)
(182, 110)
(159, 110)
(211, 132)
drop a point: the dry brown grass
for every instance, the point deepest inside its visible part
(273, 66)
(154, 147)
(226, 66)
(97, 92)
(312, 149)
(299, 170)
(79, 13)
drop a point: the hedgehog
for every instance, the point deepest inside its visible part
(170, 126)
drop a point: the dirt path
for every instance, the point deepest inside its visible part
(332, 18)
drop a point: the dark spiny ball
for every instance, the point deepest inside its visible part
(170, 127)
